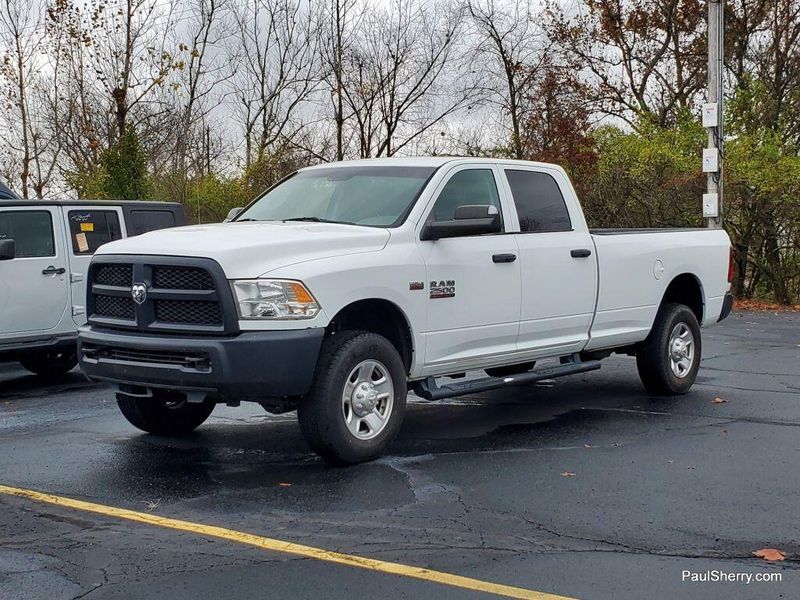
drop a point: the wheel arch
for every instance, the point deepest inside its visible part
(686, 289)
(380, 316)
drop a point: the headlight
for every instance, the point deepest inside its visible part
(274, 299)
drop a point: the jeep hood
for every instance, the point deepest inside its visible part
(252, 249)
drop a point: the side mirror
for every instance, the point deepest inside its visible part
(233, 213)
(472, 219)
(7, 250)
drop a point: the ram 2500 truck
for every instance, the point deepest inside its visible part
(346, 285)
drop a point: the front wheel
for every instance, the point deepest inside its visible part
(51, 363)
(357, 401)
(668, 360)
(166, 413)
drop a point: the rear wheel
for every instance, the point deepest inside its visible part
(668, 360)
(51, 363)
(357, 401)
(166, 413)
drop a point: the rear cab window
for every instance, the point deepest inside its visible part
(31, 230)
(89, 229)
(540, 205)
(140, 221)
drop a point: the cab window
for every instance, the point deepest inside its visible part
(90, 229)
(31, 230)
(540, 205)
(468, 187)
(142, 221)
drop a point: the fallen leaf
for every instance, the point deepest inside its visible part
(284, 484)
(771, 554)
(151, 505)
(719, 400)
(568, 474)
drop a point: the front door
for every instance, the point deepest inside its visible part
(473, 282)
(34, 292)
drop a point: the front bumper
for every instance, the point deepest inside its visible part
(248, 366)
(727, 306)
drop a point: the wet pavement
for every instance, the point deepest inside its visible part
(583, 486)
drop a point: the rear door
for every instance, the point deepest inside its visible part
(88, 228)
(559, 266)
(34, 288)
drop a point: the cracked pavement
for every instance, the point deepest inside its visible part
(472, 486)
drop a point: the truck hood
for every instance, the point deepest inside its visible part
(253, 249)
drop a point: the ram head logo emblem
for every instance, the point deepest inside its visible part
(139, 293)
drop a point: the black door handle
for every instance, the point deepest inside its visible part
(504, 258)
(51, 270)
(581, 253)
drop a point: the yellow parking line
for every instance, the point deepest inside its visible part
(286, 547)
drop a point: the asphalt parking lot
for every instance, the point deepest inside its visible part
(582, 487)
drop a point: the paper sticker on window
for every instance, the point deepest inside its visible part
(83, 244)
(87, 227)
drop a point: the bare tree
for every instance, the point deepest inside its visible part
(339, 20)
(508, 35)
(129, 51)
(22, 34)
(403, 78)
(199, 66)
(276, 72)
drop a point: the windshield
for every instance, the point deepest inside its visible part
(373, 196)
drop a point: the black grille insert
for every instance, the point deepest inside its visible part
(114, 307)
(182, 278)
(116, 275)
(188, 311)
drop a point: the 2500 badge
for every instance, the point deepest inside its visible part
(443, 289)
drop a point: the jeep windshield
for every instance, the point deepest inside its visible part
(363, 195)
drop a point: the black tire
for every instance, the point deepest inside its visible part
(653, 357)
(166, 413)
(56, 362)
(509, 370)
(321, 412)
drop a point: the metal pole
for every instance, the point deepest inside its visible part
(716, 94)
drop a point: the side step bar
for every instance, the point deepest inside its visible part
(429, 390)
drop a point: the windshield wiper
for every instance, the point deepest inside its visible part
(310, 220)
(243, 220)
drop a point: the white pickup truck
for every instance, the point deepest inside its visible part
(347, 284)
(45, 250)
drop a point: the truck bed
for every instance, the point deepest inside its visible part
(636, 265)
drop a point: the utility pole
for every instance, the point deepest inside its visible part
(713, 114)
